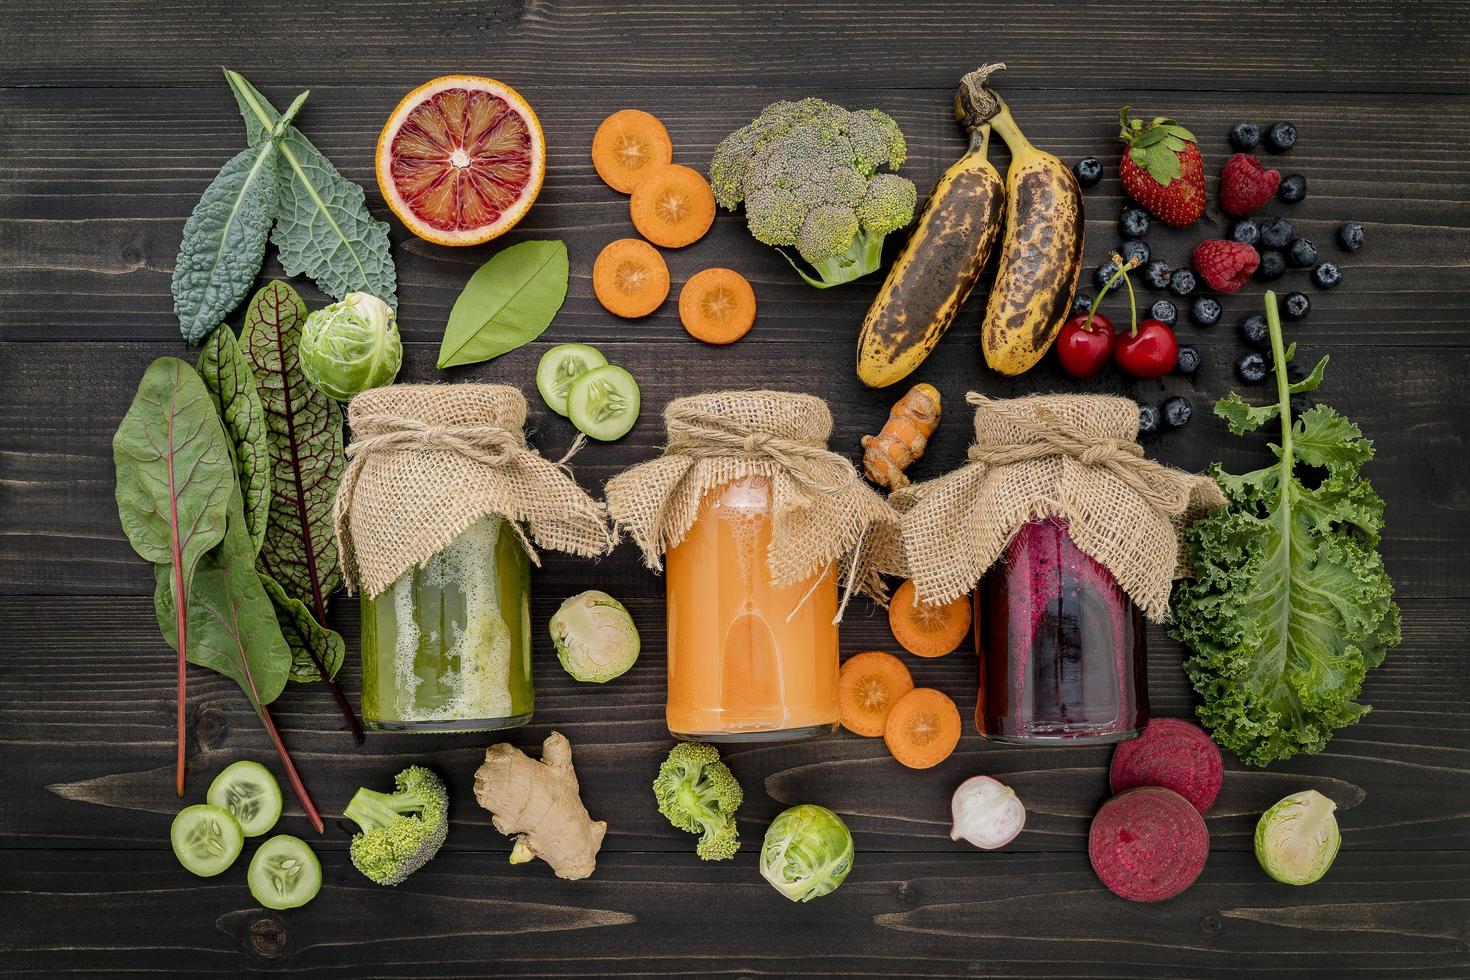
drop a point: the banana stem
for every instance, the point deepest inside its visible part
(1006, 126)
(979, 141)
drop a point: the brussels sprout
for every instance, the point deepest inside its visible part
(1297, 839)
(807, 852)
(595, 637)
(351, 346)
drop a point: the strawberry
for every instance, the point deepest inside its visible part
(1225, 266)
(1245, 185)
(1162, 169)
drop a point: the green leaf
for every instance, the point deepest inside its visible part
(231, 384)
(304, 431)
(232, 624)
(1312, 381)
(1162, 164)
(224, 241)
(1290, 605)
(323, 228)
(1244, 418)
(310, 642)
(174, 477)
(508, 302)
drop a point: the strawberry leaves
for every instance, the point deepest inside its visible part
(1155, 146)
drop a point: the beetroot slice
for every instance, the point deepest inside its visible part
(1175, 755)
(1148, 844)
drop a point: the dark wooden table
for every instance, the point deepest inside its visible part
(114, 116)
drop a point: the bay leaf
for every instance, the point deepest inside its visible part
(508, 302)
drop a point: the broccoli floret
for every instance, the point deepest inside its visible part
(798, 164)
(698, 793)
(401, 831)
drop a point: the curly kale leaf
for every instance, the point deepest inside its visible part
(1290, 604)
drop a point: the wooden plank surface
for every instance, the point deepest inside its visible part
(113, 117)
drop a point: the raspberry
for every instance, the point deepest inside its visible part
(1245, 185)
(1225, 266)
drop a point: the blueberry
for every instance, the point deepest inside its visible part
(1254, 331)
(1157, 273)
(1296, 306)
(1301, 252)
(1350, 236)
(1327, 275)
(1280, 137)
(1275, 232)
(1177, 411)
(1148, 419)
(1188, 362)
(1165, 312)
(1245, 136)
(1134, 222)
(1293, 188)
(1134, 247)
(1182, 282)
(1271, 267)
(1204, 311)
(1088, 171)
(1251, 368)
(1082, 304)
(1103, 273)
(1245, 231)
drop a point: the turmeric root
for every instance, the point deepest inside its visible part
(913, 420)
(539, 804)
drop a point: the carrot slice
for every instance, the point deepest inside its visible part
(628, 146)
(630, 278)
(717, 306)
(673, 206)
(922, 728)
(927, 630)
(867, 688)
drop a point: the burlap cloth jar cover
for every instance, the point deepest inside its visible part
(427, 461)
(822, 513)
(1069, 456)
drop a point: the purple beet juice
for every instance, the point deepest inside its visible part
(1061, 646)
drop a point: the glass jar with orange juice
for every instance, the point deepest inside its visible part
(755, 522)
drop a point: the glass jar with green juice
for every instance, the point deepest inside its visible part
(447, 648)
(435, 518)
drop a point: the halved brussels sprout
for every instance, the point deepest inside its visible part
(807, 852)
(595, 637)
(1297, 839)
(351, 346)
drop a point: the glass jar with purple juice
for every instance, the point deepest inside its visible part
(1061, 645)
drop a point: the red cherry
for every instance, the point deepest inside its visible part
(1150, 352)
(1084, 350)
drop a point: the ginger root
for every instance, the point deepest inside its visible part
(539, 804)
(903, 439)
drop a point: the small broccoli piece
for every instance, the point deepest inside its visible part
(698, 793)
(401, 831)
(808, 174)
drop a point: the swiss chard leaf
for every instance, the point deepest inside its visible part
(232, 624)
(224, 241)
(231, 384)
(1290, 604)
(311, 643)
(508, 302)
(323, 227)
(174, 476)
(304, 429)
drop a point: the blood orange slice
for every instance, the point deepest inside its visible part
(461, 159)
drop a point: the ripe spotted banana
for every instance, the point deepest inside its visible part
(1040, 255)
(939, 264)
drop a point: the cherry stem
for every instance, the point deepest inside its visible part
(1122, 273)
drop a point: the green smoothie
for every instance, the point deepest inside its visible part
(447, 647)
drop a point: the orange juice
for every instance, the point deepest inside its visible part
(747, 660)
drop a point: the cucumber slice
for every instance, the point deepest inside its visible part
(251, 793)
(559, 367)
(284, 873)
(604, 403)
(206, 839)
